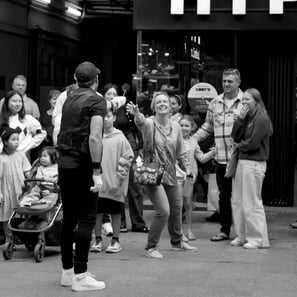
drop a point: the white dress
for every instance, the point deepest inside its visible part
(12, 168)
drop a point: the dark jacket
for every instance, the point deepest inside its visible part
(252, 136)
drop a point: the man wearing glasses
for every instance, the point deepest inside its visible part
(220, 116)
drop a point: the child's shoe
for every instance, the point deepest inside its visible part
(67, 277)
(114, 247)
(191, 236)
(86, 282)
(96, 247)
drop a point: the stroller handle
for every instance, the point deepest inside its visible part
(28, 180)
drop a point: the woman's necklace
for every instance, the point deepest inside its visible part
(165, 128)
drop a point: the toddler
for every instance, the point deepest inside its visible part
(44, 193)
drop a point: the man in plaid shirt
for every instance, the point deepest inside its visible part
(220, 116)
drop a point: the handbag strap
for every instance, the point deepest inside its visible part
(154, 145)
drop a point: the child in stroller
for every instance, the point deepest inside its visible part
(36, 221)
(42, 194)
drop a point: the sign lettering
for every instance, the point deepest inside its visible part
(238, 7)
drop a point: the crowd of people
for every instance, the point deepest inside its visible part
(90, 141)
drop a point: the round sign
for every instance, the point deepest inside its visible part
(200, 95)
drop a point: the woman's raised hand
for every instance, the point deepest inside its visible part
(243, 112)
(132, 109)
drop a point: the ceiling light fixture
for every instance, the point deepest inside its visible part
(44, 1)
(73, 11)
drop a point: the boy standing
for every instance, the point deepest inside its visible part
(116, 162)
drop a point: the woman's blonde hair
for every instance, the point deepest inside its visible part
(156, 94)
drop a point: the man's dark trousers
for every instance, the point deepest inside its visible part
(79, 209)
(225, 192)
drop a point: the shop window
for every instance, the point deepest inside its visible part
(175, 61)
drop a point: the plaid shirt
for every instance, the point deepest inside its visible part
(219, 121)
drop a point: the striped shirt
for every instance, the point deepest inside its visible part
(219, 121)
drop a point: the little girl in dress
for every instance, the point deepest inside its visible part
(14, 167)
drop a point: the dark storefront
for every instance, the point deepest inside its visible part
(181, 43)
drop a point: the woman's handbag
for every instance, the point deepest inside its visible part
(148, 173)
(232, 164)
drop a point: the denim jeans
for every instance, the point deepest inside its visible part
(225, 189)
(167, 204)
(79, 209)
(135, 202)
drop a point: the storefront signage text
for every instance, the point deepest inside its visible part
(238, 6)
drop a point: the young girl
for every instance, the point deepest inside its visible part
(44, 194)
(14, 165)
(175, 105)
(186, 123)
(116, 162)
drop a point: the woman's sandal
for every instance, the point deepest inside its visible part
(220, 237)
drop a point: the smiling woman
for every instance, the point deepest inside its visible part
(13, 113)
(163, 143)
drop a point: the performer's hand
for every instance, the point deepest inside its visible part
(97, 183)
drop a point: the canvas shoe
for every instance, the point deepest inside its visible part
(86, 282)
(236, 242)
(153, 253)
(67, 277)
(114, 247)
(184, 247)
(96, 247)
(123, 229)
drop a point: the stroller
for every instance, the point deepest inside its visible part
(28, 223)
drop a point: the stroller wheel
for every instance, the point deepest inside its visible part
(39, 251)
(8, 250)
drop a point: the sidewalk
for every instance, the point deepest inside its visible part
(216, 270)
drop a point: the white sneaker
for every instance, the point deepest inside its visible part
(249, 245)
(67, 277)
(236, 242)
(113, 248)
(185, 247)
(153, 253)
(86, 282)
(191, 236)
(107, 229)
(96, 247)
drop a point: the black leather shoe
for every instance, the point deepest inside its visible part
(215, 217)
(143, 230)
